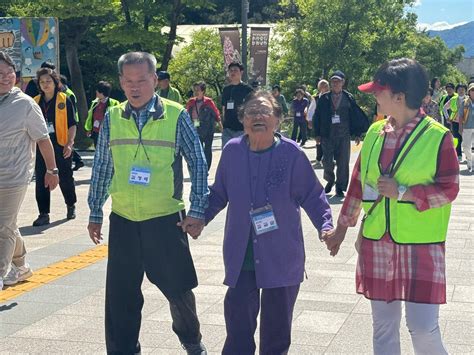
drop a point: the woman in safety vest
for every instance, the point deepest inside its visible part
(59, 115)
(405, 179)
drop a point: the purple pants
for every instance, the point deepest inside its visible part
(241, 307)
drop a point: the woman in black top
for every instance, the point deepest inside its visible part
(59, 115)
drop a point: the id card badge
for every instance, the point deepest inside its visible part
(96, 124)
(336, 119)
(370, 193)
(230, 105)
(196, 123)
(50, 128)
(139, 176)
(298, 114)
(263, 220)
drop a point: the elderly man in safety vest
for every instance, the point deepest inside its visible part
(138, 162)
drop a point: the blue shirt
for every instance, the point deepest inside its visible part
(187, 144)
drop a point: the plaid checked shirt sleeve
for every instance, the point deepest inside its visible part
(353, 202)
(102, 172)
(188, 144)
(446, 185)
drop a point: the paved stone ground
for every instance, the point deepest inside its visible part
(67, 315)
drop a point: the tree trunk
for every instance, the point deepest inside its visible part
(175, 13)
(77, 83)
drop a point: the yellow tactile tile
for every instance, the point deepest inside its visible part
(55, 271)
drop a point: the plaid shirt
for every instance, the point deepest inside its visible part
(388, 271)
(187, 144)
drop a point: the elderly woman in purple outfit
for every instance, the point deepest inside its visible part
(265, 180)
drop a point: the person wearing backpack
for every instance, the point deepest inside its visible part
(204, 114)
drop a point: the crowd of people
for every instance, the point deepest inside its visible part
(404, 181)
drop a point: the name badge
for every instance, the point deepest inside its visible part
(50, 127)
(298, 114)
(196, 123)
(263, 220)
(230, 105)
(336, 118)
(369, 194)
(139, 176)
(96, 124)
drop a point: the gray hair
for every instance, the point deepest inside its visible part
(137, 58)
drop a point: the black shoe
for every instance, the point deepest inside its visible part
(42, 220)
(78, 165)
(71, 212)
(339, 193)
(195, 349)
(328, 187)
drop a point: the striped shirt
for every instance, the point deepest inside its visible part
(389, 271)
(187, 144)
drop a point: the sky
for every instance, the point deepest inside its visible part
(443, 14)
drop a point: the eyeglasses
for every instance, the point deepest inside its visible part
(6, 74)
(254, 112)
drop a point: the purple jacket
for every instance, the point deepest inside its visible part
(291, 183)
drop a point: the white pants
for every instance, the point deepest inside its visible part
(467, 135)
(12, 247)
(422, 323)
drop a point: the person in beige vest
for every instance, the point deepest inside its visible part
(22, 127)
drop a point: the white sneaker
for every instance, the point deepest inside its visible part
(17, 274)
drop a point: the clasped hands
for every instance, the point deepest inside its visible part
(192, 226)
(333, 239)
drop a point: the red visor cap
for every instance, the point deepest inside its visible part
(373, 86)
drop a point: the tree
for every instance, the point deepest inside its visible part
(201, 59)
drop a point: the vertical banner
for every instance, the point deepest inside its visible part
(230, 40)
(259, 38)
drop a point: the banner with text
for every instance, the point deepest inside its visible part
(259, 38)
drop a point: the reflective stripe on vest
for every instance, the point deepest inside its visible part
(401, 219)
(155, 152)
(61, 126)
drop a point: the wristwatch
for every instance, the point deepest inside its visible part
(401, 191)
(54, 171)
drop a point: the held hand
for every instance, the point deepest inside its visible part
(95, 232)
(51, 181)
(333, 242)
(192, 226)
(67, 151)
(387, 187)
(357, 140)
(89, 133)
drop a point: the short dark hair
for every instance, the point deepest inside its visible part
(450, 85)
(4, 57)
(201, 84)
(405, 76)
(458, 86)
(276, 87)
(236, 64)
(255, 95)
(433, 81)
(300, 91)
(48, 65)
(104, 87)
(51, 73)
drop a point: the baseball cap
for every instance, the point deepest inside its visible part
(337, 75)
(373, 86)
(162, 75)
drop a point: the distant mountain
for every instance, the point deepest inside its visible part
(458, 35)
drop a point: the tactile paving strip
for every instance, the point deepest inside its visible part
(55, 271)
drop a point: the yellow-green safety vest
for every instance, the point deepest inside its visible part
(158, 136)
(401, 219)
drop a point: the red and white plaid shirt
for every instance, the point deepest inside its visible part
(388, 271)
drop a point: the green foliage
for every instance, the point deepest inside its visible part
(201, 59)
(355, 37)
